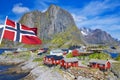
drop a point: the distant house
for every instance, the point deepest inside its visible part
(52, 60)
(21, 49)
(42, 50)
(65, 51)
(78, 52)
(96, 50)
(57, 52)
(100, 64)
(69, 62)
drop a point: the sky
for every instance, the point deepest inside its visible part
(94, 14)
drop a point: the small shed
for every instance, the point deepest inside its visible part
(77, 52)
(69, 62)
(57, 52)
(101, 64)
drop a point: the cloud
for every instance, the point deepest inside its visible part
(2, 19)
(101, 21)
(44, 10)
(43, 4)
(79, 18)
(96, 7)
(99, 14)
(19, 9)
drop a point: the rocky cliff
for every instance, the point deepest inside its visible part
(55, 25)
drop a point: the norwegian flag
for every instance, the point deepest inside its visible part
(20, 33)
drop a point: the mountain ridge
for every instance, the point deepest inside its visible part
(98, 36)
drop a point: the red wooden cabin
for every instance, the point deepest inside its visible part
(57, 60)
(75, 53)
(48, 60)
(69, 62)
(52, 60)
(101, 64)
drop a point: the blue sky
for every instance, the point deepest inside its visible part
(102, 14)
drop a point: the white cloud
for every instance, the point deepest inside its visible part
(44, 10)
(101, 21)
(92, 16)
(43, 4)
(96, 7)
(79, 18)
(19, 9)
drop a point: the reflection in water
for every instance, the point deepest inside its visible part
(10, 76)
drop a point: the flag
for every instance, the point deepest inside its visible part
(20, 33)
(1, 32)
(35, 30)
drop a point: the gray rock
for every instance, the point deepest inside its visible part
(83, 78)
(44, 73)
(29, 65)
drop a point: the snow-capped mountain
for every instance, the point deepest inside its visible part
(85, 31)
(97, 36)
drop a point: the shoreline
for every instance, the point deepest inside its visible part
(5, 60)
(16, 64)
(37, 71)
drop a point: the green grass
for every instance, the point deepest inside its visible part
(21, 55)
(38, 60)
(118, 58)
(69, 55)
(99, 56)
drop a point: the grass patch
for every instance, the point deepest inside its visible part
(118, 58)
(102, 56)
(38, 60)
(69, 55)
(21, 55)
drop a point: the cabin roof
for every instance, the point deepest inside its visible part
(98, 61)
(57, 51)
(50, 56)
(58, 57)
(55, 57)
(70, 59)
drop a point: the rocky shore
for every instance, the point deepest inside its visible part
(34, 70)
(38, 71)
(5, 60)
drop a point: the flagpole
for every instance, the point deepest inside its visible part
(3, 30)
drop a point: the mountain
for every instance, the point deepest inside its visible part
(97, 36)
(55, 26)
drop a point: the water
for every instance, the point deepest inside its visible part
(3, 67)
(112, 54)
(2, 50)
(12, 76)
